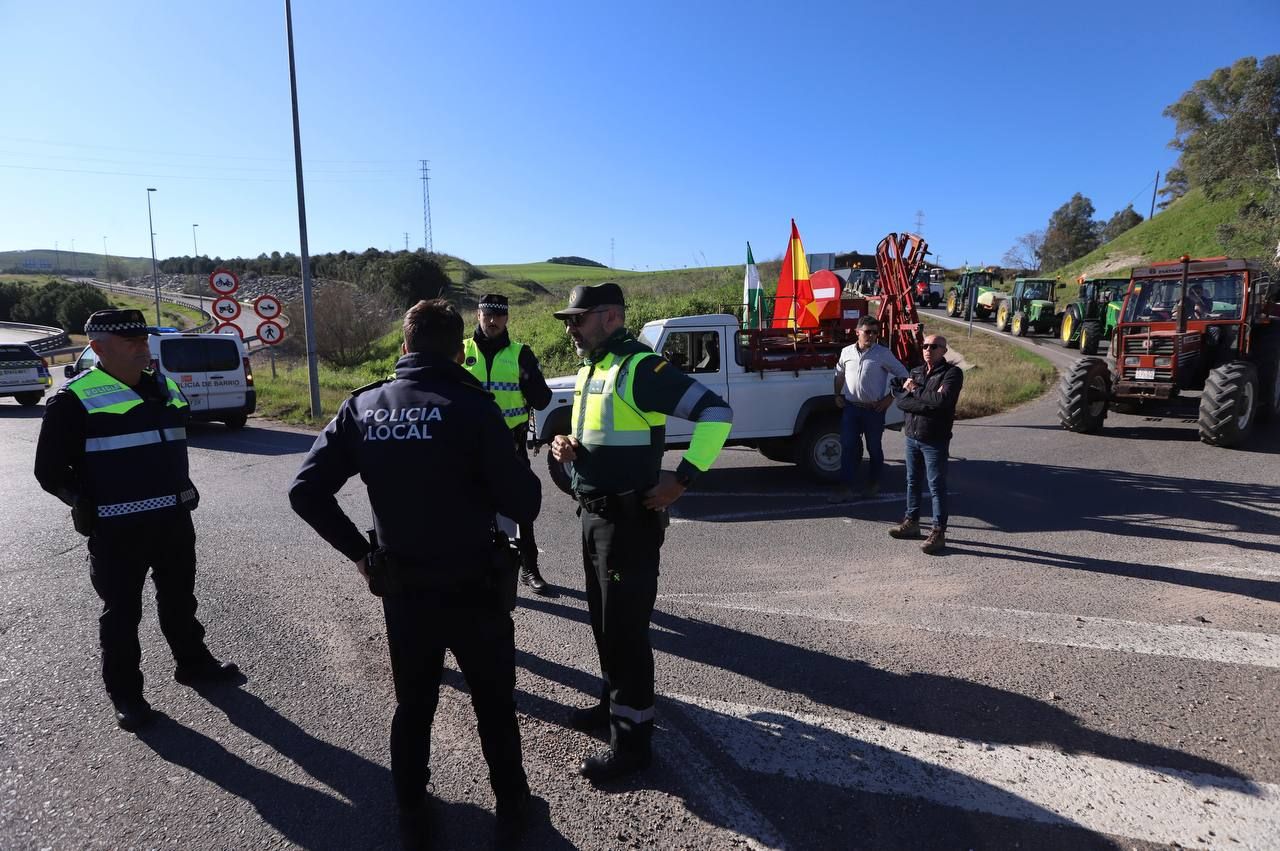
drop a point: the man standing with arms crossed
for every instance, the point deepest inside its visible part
(510, 371)
(862, 391)
(622, 398)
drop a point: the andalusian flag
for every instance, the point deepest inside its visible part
(794, 292)
(751, 293)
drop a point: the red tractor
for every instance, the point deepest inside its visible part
(1211, 325)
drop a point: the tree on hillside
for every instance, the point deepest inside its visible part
(1228, 132)
(1120, 222)
(413, 277)
(1175, 186)
(1025, 253)
(1071, 233)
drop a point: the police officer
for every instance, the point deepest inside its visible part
(435, 454)
(113, 446)
(623, 396)
(510, 371)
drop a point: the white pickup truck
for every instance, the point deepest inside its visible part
(789, 414)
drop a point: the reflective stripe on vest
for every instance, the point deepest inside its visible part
(100, 393)
(139, 438)
(502, 379)
(604, 409)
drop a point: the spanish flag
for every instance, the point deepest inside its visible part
(794, 293)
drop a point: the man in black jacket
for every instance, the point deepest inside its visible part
(928, 400)
(435, 454)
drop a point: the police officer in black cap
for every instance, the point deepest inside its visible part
(623, 396)
(113, 446)
(510, 371)
(435, 454)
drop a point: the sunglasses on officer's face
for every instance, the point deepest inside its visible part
(935, 345)
(576, 319)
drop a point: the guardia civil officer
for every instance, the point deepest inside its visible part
(113, 446)
(623, 396)
(432, 448)
(510, 371)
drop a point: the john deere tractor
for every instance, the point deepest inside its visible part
(1030, 310)
(1092, 316)
(985, 282)
(1210, 325)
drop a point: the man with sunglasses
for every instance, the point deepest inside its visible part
(623, 396)
(928, 400)
(863, 394)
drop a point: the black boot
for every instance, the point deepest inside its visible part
(610, 764)
(133, 713)
(208, 671)
(531, 577)
(591, 718)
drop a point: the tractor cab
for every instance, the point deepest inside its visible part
(1092, 315)
(985, 281)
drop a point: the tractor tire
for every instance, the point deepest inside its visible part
(1266, 356)
(982, 314)
(1002, 317)
(1083, 396)
(1229, 404)
(819, 449)
(953, 304)
(1068, 329)
(1020, 322)
(30, 400)
(778, 449)
(561, 474)
(1090, 337)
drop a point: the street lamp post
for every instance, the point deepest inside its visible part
(195, 258)
(155, 275)
(309, 321)
(106, 260)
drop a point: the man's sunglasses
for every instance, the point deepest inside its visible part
(935, 345)
(576, 319)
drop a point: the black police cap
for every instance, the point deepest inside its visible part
(493, 303)
(124, 323)
(584, 298)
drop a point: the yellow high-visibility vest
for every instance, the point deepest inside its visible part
(502, 379)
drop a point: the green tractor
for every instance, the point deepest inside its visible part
(1092, 316)
(1031, 308)
(985, 282)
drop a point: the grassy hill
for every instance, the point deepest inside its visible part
(72, 262)
(1189, 225)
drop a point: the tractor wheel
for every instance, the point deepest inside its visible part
(1090, 337)
(819, 450)
(953, 304)
(982, 313)
(1002, 317)
(1229, 404)
(561, 474)
(1083, 396)
(1266, 355)
(1067, 329)
(1020, 324)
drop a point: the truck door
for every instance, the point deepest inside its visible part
(699, 352)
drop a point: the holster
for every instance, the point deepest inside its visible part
(504, 570)
(625, 507)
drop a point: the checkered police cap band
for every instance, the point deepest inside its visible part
(114, 327)
(493, 307)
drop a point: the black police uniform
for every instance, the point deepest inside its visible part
(436, 457)
(123, 470)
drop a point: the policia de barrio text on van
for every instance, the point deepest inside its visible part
(623, 396)
(113, 446)
(431, 446)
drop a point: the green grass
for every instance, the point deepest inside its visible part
(1001, 374)
(287, 397)
(552, 273)
(85, 262)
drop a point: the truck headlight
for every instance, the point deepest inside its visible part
(1164, 361)
(1131, 360)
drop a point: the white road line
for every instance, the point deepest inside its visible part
(1151, 639)
(1034, 784)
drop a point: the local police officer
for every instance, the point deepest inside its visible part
(435, 454)
(510, 371)
(623, 396)
(113, 446)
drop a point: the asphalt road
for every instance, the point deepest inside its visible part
(1094, 663)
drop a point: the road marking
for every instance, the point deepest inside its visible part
(1095, 633)
(1034, 784)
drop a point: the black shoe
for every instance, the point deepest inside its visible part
(415, 826)
(209, 671)
(531, 577)
(610, 765)
(513, 819)
(133, 714)
(591, 718)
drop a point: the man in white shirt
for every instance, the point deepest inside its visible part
(863, 393)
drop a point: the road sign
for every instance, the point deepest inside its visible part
(230, 329)
(223, 282)
(226, 308)
(267, 306)
(270, 332)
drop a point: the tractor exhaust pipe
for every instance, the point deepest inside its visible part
(1182, 295)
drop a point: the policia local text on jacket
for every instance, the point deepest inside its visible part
(623, 395)
(436, 457)
(117, 454)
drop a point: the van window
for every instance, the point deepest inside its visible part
(203, 355)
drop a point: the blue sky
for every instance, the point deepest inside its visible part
(679, 130)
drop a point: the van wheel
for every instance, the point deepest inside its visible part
(30, 400)
(235, 423)
(820, 448)
(561, 474)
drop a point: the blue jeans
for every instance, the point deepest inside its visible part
(855, 424)
(932, 457)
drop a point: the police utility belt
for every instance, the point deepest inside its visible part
(619, 507)
(495, 586)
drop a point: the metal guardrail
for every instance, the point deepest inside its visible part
(50, 338)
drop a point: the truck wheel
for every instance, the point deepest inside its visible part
(561, 474)
(1229, 404)
(1083, 395)
(237, 422)
(953, 304)
(1020, 324)
(778, 449)
(1090, 337)
(1002, 318)
(29, 400)
(820, 449)
(1266, 354)
(1067, 329)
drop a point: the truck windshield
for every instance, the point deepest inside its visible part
(649, 335)
(1219, 297)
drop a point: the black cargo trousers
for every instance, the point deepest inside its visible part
(621, 549)
(120, 556)
(526, 543)
(421, 625)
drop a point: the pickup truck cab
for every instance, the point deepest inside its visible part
(788, 414)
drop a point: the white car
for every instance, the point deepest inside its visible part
(213, 371)
(24, 375)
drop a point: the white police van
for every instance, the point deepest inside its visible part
(213, 371)
(24, 375)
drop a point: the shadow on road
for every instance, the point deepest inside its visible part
(21, 412)
(248, 441)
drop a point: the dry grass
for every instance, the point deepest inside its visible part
(1001, 374)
